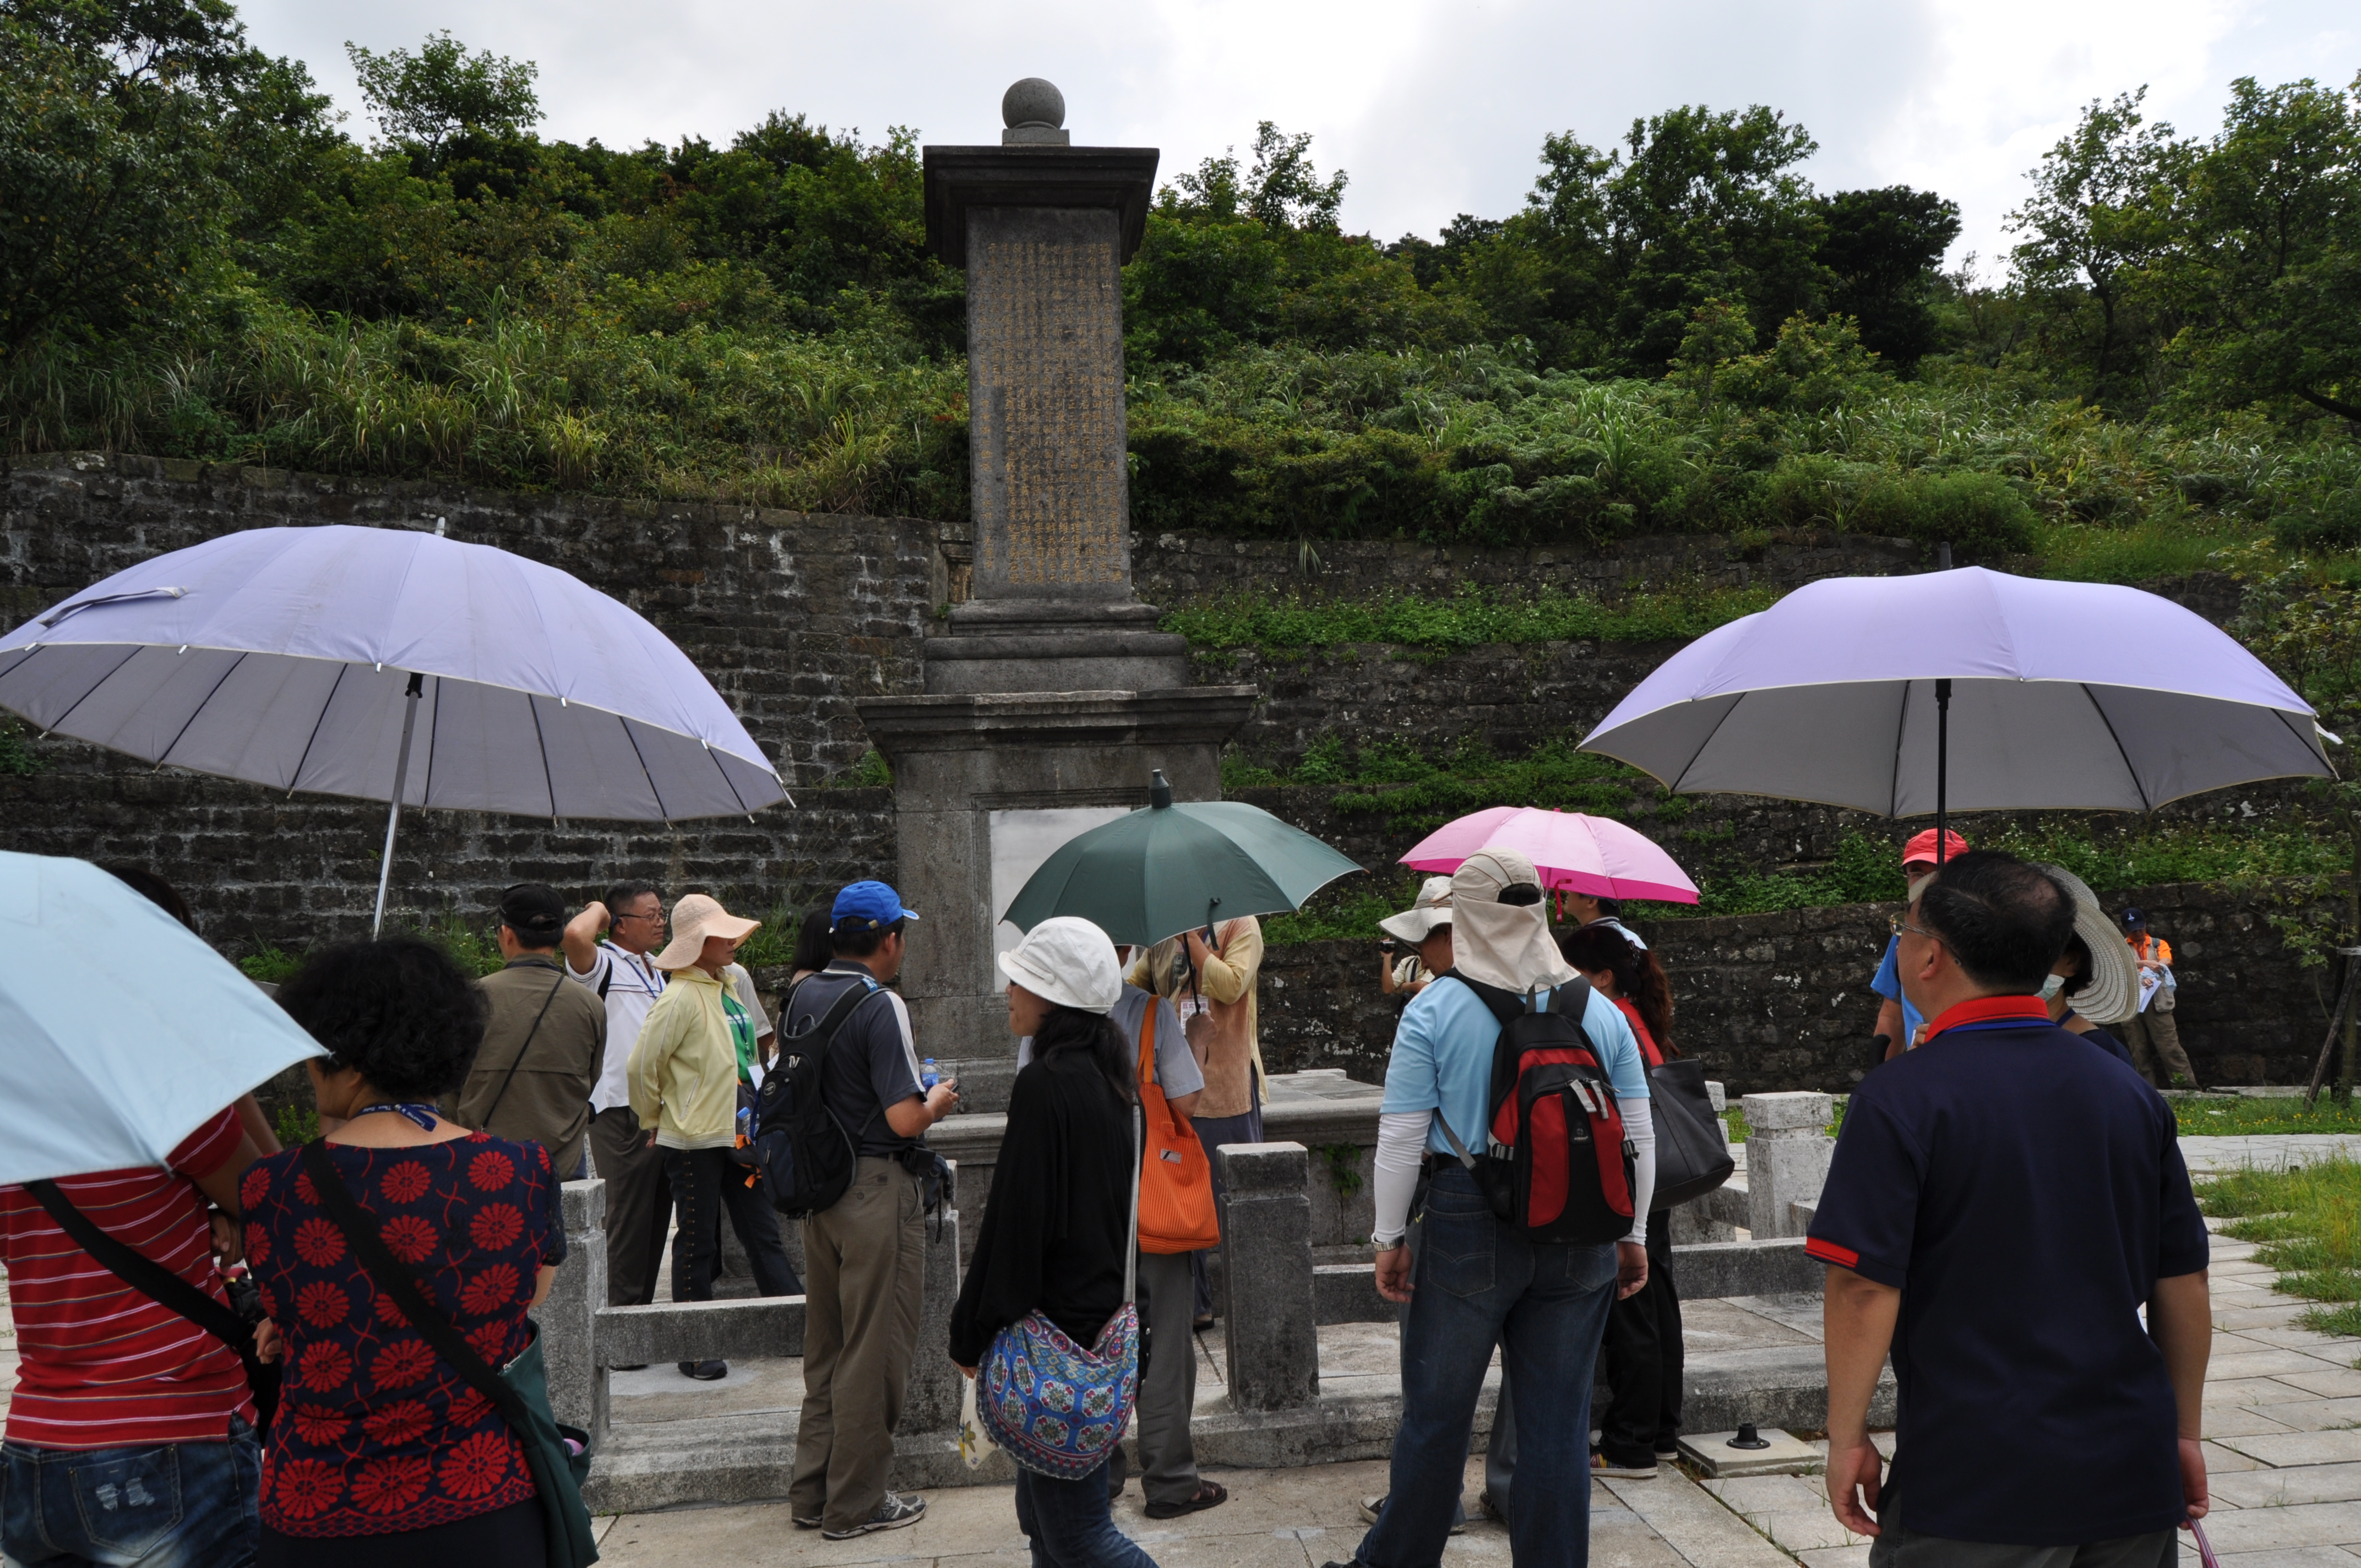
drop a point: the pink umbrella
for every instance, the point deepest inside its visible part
(1573, 852)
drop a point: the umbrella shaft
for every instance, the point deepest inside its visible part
(1942, 764)
(401, 783)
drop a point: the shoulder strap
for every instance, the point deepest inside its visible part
(1505, 1005)
(829, 1023)
(1131, 1243)
(529, 1033)
(144, 1273)
(607, 977)
(376, 1260)
(1146, 1044)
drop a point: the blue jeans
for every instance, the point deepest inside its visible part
(189, 1505)
(1475, 1283)
(1068, 1525)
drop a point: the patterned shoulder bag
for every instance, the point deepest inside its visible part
(1057, 1407)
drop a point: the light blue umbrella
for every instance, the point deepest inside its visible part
(120, 1031)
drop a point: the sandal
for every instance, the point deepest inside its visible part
(1209, 1495)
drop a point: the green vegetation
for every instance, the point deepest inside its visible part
(1673, 333)
(270, 965)
(17, 754)
(1466, 619)
(2309, 1224)
(2216, 1117)
(297, 1125)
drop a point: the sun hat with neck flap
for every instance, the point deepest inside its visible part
(693, 918)
(1500, 943)
(1068, 960)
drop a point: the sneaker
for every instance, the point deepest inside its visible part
(705, 1371)
(1373, 1505)
(803, 1523)
(892, 1513)
(1602, 1465)
(1491, 1506)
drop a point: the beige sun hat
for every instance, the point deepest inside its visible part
(695, 917)
(2110, 993)
(1507, 945)
(1432, 908)
(1068, 960)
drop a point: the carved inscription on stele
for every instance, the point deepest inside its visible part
(1046, 373)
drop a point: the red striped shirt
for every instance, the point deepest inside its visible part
(101, 1366)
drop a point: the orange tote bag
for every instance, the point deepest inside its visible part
(1176, 1181)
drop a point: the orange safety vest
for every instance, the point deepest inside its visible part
(2151, 947)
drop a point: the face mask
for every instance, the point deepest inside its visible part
(2052, 986)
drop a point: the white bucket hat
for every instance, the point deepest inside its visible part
(2111, 991)
(1432, 909)
(695, 917)
(1068, 960)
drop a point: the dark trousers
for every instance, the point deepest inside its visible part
(1644, 1360)
(705, 1182)
(1213, 1132)
(1068, 1524)
(505, 1537)
(639, 1205)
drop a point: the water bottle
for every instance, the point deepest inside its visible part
(745, 1125)
(927, 1076)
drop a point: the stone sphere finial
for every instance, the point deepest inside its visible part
(1034, 111)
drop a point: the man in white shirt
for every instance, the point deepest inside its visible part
(607, 948)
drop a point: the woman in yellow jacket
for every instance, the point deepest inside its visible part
(684, 1076)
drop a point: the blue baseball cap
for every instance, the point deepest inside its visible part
(866, 905)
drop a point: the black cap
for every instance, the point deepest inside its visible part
(2134, 918)
(534, 911)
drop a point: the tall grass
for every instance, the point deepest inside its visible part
(2308, 1225)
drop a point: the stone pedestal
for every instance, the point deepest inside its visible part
(1787, 1154)
(932, 1400)
(1269, 1329)
(568, 1315)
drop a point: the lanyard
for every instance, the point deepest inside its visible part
(423, 1115)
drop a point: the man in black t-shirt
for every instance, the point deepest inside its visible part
(864, 1257)
(2003, 1202)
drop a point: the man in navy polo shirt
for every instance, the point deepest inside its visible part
(2003, 1202)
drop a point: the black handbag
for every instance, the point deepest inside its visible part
(1692, 1149)
(167, 1289)
(520, 1390)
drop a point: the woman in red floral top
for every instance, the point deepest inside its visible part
(379, 1445)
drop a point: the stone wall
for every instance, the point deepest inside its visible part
(1781, 1001)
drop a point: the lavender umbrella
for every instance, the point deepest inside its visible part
(310, 658)
(1970, 689)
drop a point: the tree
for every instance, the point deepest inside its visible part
(136, 139)
(2097, 214)
(1882, 249)
(424, 100)
(2266, 267)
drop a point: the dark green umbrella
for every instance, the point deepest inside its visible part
(1169, 868)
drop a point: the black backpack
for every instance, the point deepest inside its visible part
(798, 1141)
(1556, 1164)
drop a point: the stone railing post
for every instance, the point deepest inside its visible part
(1268, 1324)
(578, 1378)
(932, 1400)
(1787, 1152)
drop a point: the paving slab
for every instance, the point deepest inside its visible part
(2265, 1487)
(2246, 1420)
(1689, 1520)
(2275, 1530)
(2307, 1415)
(2336, 1447)
(2329, 1383)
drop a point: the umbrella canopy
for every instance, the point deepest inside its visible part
(1573, 852)
(1170, 869)
(283, 656)
(121, 1031)
(2060, 695)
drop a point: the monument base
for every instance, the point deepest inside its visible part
(1052, 646)
(974, 768)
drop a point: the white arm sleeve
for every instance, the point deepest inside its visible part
(1640, 1126)
(1401, 1139)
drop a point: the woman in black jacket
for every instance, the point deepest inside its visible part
(1056, 1232)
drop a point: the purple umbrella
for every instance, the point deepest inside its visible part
(1971, 689)
(313, 658)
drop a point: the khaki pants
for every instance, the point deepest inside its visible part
(2154, 1041)
(864, 1268)
(639, 1205)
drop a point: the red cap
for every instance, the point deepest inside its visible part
(1922, 848)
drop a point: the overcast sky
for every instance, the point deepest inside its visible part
(1435, 107)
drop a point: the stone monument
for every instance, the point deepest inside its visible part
(1049, 694)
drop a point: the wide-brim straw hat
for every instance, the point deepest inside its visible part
(693, 918)
(2111, 993)
(1432, 908)
(1070, 961)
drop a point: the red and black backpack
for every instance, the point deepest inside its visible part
(1556, 1164)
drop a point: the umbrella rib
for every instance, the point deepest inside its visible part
(296, 778)
(166, 753)
(433, 727)
(2146, 804)
(728, 782)
(1682, 777)
(69, 713)
(1901, 722)
(646, 771)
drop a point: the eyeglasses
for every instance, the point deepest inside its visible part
(1897, 924)
(658, 918)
